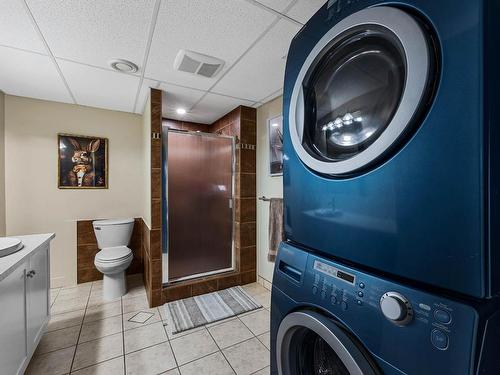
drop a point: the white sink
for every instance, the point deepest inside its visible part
(9, 245)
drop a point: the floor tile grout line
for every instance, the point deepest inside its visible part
(97, 363)
(263, 368)
(123, 337)
(101, 337)
(251, 329)
(220, 350)
(79, 333)
(171, 348)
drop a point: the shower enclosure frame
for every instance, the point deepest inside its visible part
(165, 213)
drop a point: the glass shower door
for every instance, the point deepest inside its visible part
(200, 204)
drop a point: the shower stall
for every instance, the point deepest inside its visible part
(198, 190)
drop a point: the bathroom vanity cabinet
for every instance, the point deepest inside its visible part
(24, 301)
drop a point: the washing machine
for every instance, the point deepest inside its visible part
(392, 140)
(330, 319)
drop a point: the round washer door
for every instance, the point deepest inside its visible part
(359, 90)
(311, 344)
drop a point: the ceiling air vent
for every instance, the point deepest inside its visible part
(197, 63)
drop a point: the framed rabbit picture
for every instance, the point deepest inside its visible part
(82, 162)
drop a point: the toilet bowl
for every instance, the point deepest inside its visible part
(115, 257)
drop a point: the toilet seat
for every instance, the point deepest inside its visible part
(113, 254)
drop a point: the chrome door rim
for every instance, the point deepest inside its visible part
(415, 47)
(337, 341)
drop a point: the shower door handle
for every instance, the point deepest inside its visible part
(230, 202)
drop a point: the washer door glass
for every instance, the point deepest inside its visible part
(311, 344)
(353, 93)
(361, 91)
(317, 357)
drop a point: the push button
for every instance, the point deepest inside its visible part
(360, 294)
(442, 316)
(344, 305)
(439, 339)
(362, 285)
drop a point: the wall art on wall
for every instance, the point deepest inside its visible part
(82, 162)
(275, 126)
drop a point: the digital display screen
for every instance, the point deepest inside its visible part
(345, 276)
(334, 272)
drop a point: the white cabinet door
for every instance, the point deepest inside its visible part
(37, 295)
(13, 346)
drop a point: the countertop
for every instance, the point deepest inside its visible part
(31, 243)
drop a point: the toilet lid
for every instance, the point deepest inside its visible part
(113, 221)
(110, 254)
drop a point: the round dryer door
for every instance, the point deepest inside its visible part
(311, 344)
(360, 90)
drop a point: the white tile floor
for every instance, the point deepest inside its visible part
(89, 336)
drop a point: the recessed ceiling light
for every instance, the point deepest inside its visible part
(123, 66)
(181, 111)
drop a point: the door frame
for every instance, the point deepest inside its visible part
(165, 213)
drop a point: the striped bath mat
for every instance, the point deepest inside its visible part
(196, 311)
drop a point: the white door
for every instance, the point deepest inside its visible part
(37, 297)
(13, 348)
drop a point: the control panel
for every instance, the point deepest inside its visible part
(336, 286)
(388, 318)
(345, 289)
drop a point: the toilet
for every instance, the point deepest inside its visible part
(113, 236)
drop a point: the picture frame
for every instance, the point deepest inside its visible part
(82, 162)
(275, 133)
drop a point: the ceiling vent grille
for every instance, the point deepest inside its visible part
(197, 63)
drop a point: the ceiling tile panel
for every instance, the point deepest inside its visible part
(16, 28)
(305, 9)
(213, 106)
(261, 71)
(100, 88)
(94, 32)
(143, 94)
(178, 97)
(219, 28)
(31, 75)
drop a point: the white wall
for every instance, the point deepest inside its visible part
(266, 185)
(2, 165)
(34, 204)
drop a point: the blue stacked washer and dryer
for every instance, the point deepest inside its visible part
(391, 263)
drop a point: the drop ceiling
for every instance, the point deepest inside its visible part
(60, 51)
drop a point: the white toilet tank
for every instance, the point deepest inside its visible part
(113, 232)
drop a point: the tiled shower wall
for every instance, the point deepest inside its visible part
(152, 236)
(240, 123)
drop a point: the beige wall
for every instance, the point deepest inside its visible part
(266, 185)
(146, 157)
(34, 204)
(2, 165)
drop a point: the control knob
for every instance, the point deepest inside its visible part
(396, 308)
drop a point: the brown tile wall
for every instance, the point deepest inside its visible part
(86, 248)
(152, 236)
